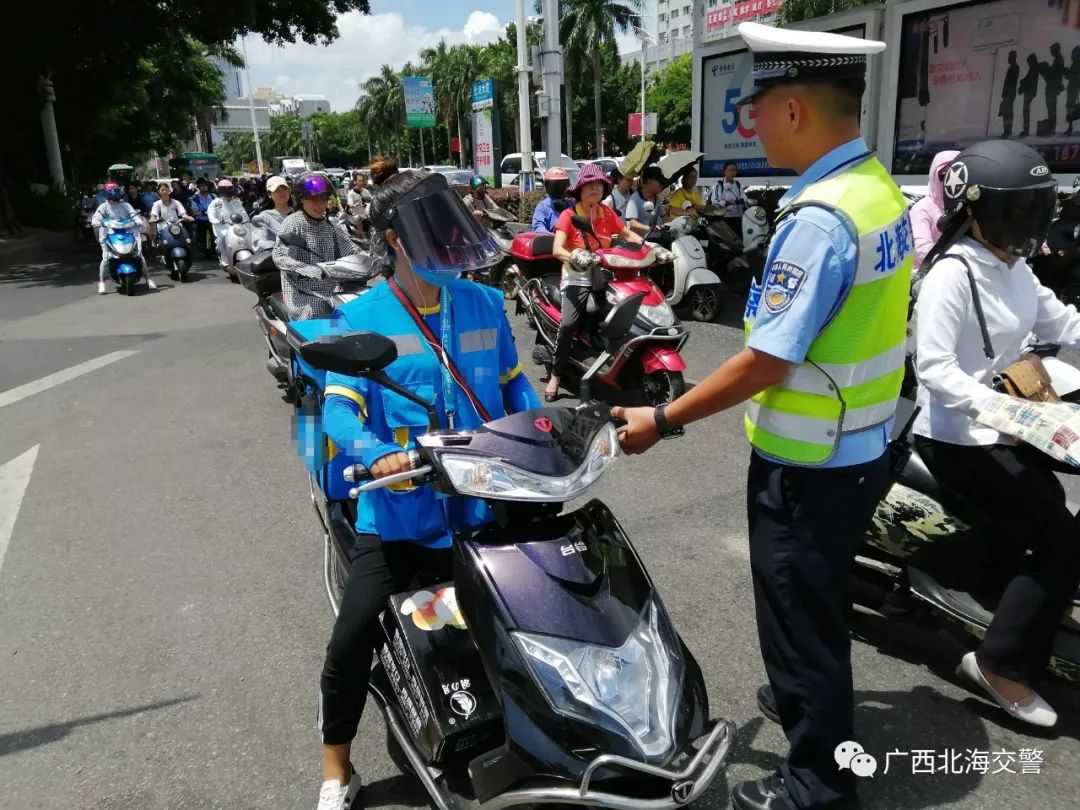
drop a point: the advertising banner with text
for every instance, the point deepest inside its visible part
(999, 69)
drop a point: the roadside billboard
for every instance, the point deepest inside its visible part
(987, 69)
(726, 133)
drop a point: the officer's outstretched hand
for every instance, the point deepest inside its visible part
(639, 433)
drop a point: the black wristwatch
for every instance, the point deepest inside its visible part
(663, 426)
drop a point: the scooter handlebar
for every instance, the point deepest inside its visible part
(358, 472)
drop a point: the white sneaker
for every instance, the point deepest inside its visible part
(335, 796)
(1038, 712)
(101, 287)
(150, 283)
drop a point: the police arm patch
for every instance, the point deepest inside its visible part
(782, 284)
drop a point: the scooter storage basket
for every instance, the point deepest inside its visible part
(434, 669)
(259, 273)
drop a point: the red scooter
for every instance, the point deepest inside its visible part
(646, 365)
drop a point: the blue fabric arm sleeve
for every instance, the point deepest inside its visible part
(343, 424)
(518, 394)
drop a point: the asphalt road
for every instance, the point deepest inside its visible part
(162, 617)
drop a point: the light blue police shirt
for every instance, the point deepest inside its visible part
(820, 249)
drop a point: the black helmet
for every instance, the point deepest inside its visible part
(1007, 189)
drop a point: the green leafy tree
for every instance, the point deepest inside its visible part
(128, 74)
(798, 10)
(669, 95)
(587, 26)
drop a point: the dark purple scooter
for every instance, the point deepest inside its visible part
(548, 671)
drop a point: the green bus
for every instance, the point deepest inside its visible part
(196, 164)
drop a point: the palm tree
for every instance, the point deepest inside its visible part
(587, 26)
(437, 62)
(382, 105)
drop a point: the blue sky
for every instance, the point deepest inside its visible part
(394, 33)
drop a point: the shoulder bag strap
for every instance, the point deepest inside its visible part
(988, 347)
(441, 354)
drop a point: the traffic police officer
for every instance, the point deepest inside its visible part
(822, 369)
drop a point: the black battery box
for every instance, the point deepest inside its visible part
(434, 669)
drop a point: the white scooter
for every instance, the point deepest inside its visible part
(239, 245)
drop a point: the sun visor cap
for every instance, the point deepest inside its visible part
(438, 233)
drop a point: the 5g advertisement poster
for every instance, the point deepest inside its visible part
(727, 131)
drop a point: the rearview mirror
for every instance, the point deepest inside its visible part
(621, 317)
(236, 219)
(355, 354)
(292, 240)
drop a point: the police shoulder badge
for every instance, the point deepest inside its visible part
(782, 284)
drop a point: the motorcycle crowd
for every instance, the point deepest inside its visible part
(568, 683)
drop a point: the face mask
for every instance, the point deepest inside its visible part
(436, 278)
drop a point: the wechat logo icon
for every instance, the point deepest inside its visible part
(852, 755)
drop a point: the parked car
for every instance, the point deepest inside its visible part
(511, 167)
(457, 178)
(607, 164)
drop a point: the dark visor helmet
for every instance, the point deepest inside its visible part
(311, 184)
(1009, 191)
(437, 232)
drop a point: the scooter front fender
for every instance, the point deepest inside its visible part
(661, 358)
(700, 276)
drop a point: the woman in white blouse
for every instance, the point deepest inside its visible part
(999, 201)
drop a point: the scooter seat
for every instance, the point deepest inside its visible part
(277, 307)
(554, 294)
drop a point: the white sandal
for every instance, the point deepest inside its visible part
(1038, 712)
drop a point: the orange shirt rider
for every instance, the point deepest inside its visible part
(606, 224)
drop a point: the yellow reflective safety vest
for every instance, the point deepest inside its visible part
(850, 379)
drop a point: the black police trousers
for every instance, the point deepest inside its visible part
(378, 571)
(805, 526)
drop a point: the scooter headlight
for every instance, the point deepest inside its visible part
(632, 689)
(660, 315)
(485, 478)
(239, 230)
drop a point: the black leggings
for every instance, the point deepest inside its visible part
(1021, 506)
(379, 570)
(574, 302)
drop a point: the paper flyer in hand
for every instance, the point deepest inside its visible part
(1053, 427)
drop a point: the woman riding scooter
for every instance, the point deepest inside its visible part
(304, 290)
(424, 238)
(577, 284)
(167, 210)
(269, 220)
(221, 212)
(975, 312)
(114, 208)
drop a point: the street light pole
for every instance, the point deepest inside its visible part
(251, 107)
(643, 44)
(524, 123)
(552, 62)
(645, 38)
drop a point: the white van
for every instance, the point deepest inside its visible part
(511, 168)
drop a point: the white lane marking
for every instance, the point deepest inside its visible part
(14, 476)
(45, 383)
